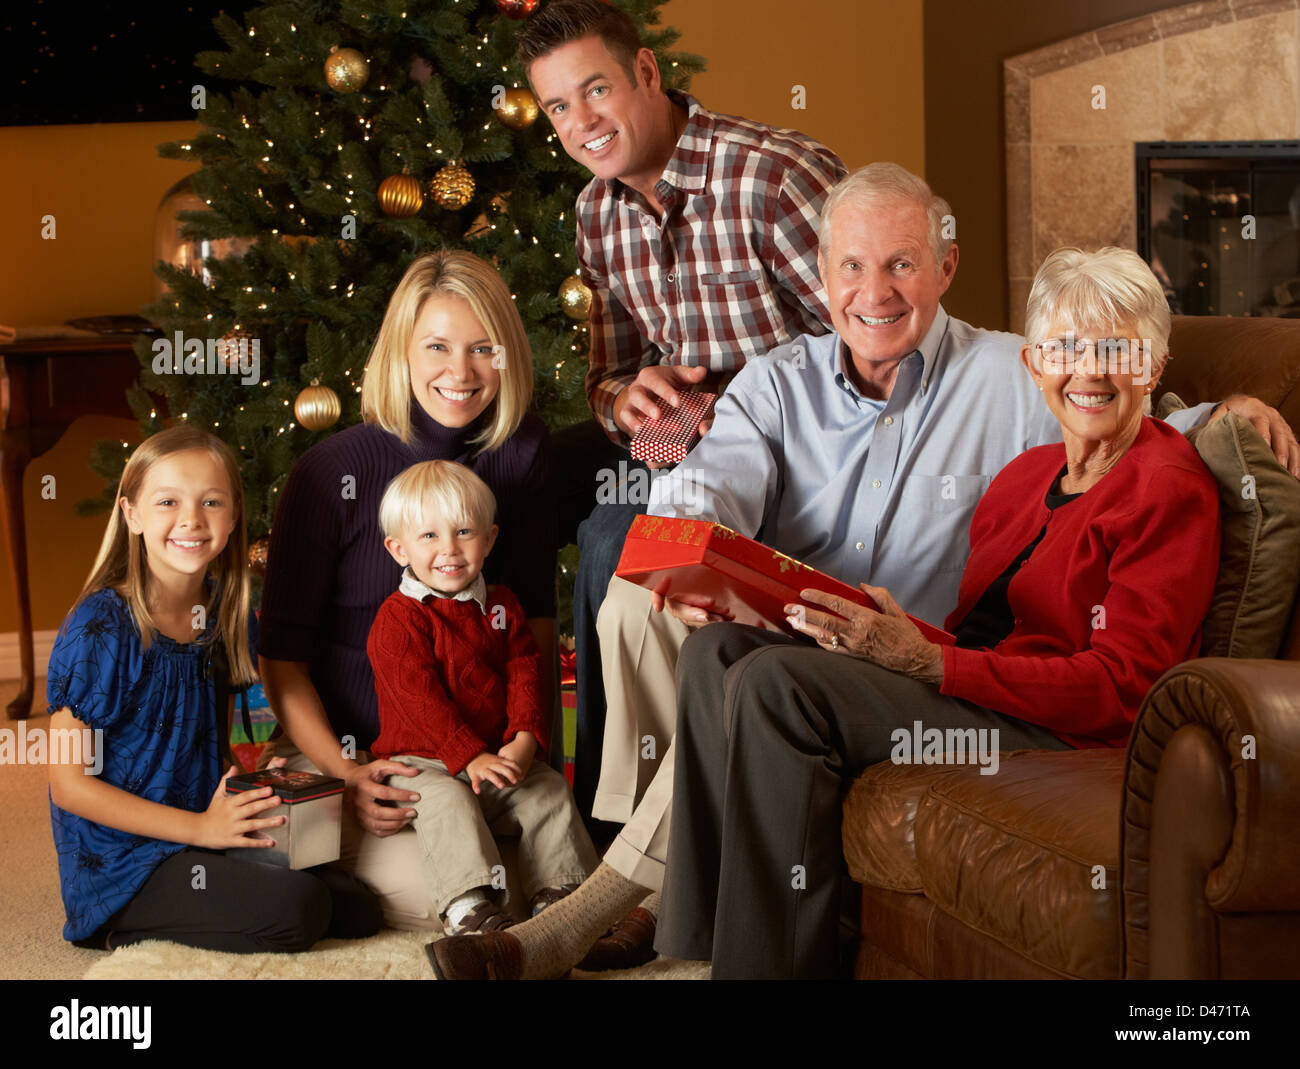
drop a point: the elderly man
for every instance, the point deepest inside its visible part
(863, 453)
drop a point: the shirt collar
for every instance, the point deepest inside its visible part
(415, 588)
(928, 351)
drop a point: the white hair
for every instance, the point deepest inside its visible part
(888, 181)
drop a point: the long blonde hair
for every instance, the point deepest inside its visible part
(386, 388)
(122, 563)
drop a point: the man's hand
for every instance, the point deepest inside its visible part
(365, 790)
(694, 610)
(499, 771)
(1269, 422)
(657, 388)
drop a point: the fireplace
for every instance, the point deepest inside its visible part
(1219, 222)
(1206, 98)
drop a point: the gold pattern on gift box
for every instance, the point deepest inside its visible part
(788, 563)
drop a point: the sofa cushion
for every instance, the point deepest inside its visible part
(1030, 856)
(1259, 563)
(879, 820)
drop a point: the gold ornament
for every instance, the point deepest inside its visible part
(346, 69)
(317, 407)
(575, 297)
(518, 109)
(452, 187)
(400, 195)
(257, 556)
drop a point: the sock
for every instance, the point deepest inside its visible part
(651, 904)
(462, 904)
(556, 939)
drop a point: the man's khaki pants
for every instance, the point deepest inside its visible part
(639, 649)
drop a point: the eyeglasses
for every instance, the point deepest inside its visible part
(1104, 356)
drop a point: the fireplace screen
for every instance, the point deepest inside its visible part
(1219, 222)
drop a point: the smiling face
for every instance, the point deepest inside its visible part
(445, 555)
(882, 281)
(1096, 397)
(450, 361)
(185, 513)
(613, 126)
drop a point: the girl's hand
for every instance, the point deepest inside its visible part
(500, 771)
(887, 638)
(232, 819)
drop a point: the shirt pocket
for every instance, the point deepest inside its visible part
(936, 510)
(739, 310)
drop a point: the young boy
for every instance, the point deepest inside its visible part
(458, 677)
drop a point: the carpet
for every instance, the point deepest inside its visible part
(390, 955)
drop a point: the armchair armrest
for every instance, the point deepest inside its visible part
(1211, 804)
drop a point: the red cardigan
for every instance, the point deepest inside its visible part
(450, 684)
(1112, 597)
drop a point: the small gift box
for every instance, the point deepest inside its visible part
(745, 580)
(312, 806)
(669, 438)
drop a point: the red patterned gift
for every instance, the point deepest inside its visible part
(668, 439)
(746, 581)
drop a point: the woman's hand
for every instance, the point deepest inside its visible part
(232, 820)
(887, 638)
(375, 803)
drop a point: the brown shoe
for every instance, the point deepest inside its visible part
(628, 944)
(485, 917)
(490, 956)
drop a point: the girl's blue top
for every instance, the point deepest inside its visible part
(155, 721)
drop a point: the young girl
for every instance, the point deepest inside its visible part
(139, 844)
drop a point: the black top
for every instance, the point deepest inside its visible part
(328, 571)
(991, 620)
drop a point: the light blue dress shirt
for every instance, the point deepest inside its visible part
(865, 490)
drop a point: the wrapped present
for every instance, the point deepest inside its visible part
(743, 580)
(312, 806)
(569, 707)
(669, 438)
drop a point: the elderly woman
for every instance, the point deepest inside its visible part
(1092, 564)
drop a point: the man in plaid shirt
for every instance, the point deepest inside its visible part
(698, 239)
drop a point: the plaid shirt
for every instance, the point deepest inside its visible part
(729, 273)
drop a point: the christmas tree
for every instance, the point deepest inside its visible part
(361, 135)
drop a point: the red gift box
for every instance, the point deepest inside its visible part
(668, 439)
(747, 581)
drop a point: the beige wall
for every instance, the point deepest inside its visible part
(859, 60)
(102, 184)
(860, 64)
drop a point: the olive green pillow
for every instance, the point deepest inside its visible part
(1259, 562)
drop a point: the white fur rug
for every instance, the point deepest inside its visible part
(390, 955)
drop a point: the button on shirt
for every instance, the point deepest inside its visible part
(866, 490)
(728, 273)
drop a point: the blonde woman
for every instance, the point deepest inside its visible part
(449, 378)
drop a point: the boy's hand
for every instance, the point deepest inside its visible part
(520, 750)
(498, 770)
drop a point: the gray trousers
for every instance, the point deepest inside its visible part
(771, 732)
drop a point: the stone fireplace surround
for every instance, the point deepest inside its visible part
(1220, 70)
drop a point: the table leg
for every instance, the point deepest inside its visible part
(15, 452)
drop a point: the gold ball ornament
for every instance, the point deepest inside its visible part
(257, 555)
(452, 187)
(346, 69)
(400, 196)
(575, 298)
(317, 407)
(518, 109)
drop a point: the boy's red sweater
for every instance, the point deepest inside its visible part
(453, 680)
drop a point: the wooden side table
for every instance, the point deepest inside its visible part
(45, 384)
